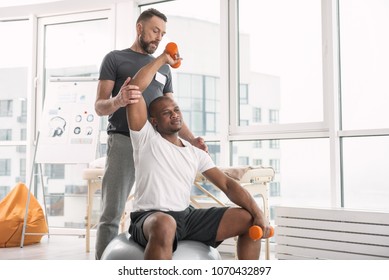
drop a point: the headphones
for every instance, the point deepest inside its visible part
(57, 126)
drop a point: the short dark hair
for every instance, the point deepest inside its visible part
(153, 104)
(149, 13)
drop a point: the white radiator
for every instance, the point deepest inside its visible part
(337, 234)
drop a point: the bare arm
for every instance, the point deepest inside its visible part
(137, 112)
(104, 105)
(236, 194)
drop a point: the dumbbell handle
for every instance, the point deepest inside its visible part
(172, 50)
(256, 232)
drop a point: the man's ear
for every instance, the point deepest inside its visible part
(139, 28)
(153, 121)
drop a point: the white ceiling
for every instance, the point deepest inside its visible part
(25, 8)
(12, 3)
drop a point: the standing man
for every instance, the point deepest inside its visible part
(111, 100)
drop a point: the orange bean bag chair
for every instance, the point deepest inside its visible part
(12, 210)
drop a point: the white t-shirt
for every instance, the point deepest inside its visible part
(164, 172)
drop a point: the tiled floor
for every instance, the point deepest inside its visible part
(55, 247)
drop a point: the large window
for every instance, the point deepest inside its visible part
(364, 60)
(364, 99)
(196, 83)
(280, 58)
(366, 174)
(75, 54)
(15, 59)
(72, 49)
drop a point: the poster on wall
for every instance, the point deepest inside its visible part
(69, 126)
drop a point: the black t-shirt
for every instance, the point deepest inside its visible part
(117, 66)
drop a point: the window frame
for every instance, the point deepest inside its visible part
(314, 129)
(328, 128)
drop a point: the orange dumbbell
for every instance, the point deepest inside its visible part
(256, 232)
(172, 50)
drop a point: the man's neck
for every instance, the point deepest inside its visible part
(174, 139)
(136, 48)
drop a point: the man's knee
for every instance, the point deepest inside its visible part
(245, 219)
(235, 221)
(160, 226)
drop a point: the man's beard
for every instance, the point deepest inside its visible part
(146, 45)
(171, 131)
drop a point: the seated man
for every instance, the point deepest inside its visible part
(165, 169)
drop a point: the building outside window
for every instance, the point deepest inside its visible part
(275, 163)
(4, 190)
(55, 171)
(198, 98)
(274, 144)
(6, 108)
(273, 116)
(243, 161)
(5, 134)
(243, 94)
(257, 162)
(274, 189)
(5, 167)
(257, 115)
(257, 144)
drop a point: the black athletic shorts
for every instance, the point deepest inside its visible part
(192, 224)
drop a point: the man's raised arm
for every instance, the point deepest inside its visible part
(137, 112)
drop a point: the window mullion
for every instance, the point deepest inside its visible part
(331, 90)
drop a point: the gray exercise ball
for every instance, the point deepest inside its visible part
(124, 248)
